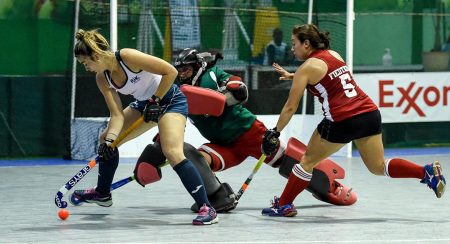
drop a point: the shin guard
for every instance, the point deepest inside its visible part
(323, 184)
(208, 177)
(220, 195)
(223, 200)
(147, 169)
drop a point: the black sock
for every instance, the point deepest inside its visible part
(106, 171)
(192, 181)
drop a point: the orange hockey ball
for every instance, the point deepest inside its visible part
(63, 214)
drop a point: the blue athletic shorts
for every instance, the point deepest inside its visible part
(174, 102)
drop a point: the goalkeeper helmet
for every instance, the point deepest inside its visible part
(189, 57)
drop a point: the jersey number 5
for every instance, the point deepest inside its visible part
(349, 88)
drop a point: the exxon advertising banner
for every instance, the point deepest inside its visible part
(409, 97)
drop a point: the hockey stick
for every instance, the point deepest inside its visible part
(244, 186)
(80, 174)
(122, 182)
(114, 185)
(250, 177)
(129, 179)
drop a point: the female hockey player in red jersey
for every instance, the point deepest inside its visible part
(349, 115)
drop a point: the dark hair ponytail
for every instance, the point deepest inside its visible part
(318, 40)
(325, 39)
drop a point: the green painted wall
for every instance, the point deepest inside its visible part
(35, 116)
(374, 34)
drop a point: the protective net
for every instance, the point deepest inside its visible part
(241, 30)
(85, 132)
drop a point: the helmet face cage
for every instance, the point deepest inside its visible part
(188, 57)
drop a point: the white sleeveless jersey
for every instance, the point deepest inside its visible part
(141, 85)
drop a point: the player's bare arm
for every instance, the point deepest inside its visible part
(137, 60)
(295, 94)
(114, 104)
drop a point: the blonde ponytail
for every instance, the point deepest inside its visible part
(90, 42)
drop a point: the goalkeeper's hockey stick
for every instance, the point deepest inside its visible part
(250, 177)
(244, 186)
(129, 179)
(122, 182)
(60, 203)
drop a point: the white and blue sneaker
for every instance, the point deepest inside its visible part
(275, 210)
(434, 178)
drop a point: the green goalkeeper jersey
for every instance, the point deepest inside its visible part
(232, 123)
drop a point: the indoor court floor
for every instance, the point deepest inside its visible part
(387, 211)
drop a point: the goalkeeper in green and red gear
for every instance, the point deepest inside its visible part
(235, 134)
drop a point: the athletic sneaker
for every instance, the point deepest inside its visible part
(206, 216)
(92, 196)
(287, 210)
(434, 178)
(223, 200)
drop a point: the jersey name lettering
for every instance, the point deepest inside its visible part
(337, 72)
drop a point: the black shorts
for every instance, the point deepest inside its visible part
(345, 131)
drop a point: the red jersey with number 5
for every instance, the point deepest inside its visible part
(341, 98)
